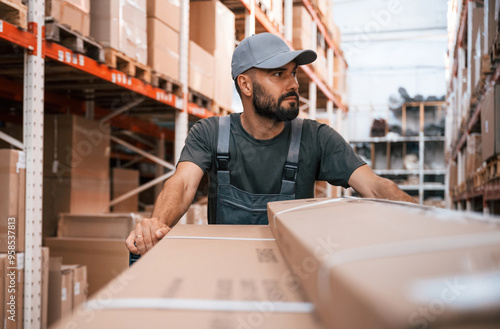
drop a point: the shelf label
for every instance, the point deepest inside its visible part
(68, 57)
(1, 26)
(60, 55)
(81, 60)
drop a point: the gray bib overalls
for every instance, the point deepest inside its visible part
(235, 206)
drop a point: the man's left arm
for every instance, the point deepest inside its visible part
(370, 185)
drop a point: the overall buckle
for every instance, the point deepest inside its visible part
(222, 161)
(290, 172)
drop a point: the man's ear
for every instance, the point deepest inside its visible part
(245, 83)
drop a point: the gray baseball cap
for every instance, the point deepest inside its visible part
(266, 51)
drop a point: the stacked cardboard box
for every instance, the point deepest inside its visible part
(474, 154)
(302, 23)
(123, 181)
(121, 25)
(103, 226)
(475, 26)
(381, 264)
(210, 276)
(12, 200)
(212, 34)
(103, 258)
(76, 168)
(75, 13)
(490, 123)
(12, 288)
(67, 288)
(163, 22)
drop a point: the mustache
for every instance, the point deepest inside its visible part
(289, 94)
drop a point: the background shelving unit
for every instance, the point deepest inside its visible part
(414, 159)
(474, 73)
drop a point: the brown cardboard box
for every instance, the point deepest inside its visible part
(222, 268)
(202, 24)
(81, 151)
(302, 34)
(163, 48)
(12, 199)
(45, 287)
(60, 290)
(453, 175)
(124, 181)
(474, 154)
(201, 70)
(13, 290)
(78, 284)
(490, 123)
(225, 35)
(121, 25)
(75, 13)
(104, 258)
(76, 196)
(107, 226)
(381, 264)
(167, 11)
(197, 214)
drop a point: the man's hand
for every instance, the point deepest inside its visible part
(147, 233)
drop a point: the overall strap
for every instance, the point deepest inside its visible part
(292, 160)
(222, 160)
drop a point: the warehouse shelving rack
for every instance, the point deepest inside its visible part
(481, 190)
(31, 72)
(387, 144)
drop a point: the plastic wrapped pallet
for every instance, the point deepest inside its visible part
(75, 13)
(201, 70)
(121, 25)
(163, 48)
(380, 264)
(203, 276)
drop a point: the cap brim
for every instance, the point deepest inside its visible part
(301, 57)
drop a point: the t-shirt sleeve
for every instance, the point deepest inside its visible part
(198, 147)
(338, 160)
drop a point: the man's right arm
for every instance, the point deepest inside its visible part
(174, 200)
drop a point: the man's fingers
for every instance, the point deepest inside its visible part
(139, 239)
(146, 233)
(160, 233)
(129, 242)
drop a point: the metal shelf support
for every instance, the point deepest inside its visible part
(33, 103)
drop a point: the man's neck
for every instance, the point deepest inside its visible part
(260, 127)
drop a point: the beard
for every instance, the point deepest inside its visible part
(267, 107)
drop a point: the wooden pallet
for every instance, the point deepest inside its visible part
(168, 84)
(64, 35)
(200, 100)
(14, 12)
(118, 60)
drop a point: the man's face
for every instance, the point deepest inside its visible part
(275, 93)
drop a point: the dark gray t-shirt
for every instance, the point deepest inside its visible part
(256, 166)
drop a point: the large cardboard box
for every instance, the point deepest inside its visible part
(124, 181)
(202, 24)
(490, 123)
(210, 276)
(163, 48)
(104, 258)
(12, 200)
(107, 226)
(76, 196)
(121, 25)
(78, 284)
(302, 34)
(75, 147)
(475, 23)
(75, 13)
(490, 24)
(380, 264)
(167, 11)
(201, 70)
(13, 287)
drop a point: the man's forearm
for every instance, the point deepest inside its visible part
(173, 201)
(391, 191)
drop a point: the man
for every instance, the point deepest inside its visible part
(264, 154)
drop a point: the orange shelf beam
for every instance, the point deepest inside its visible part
(262, 18)
(17, 36)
